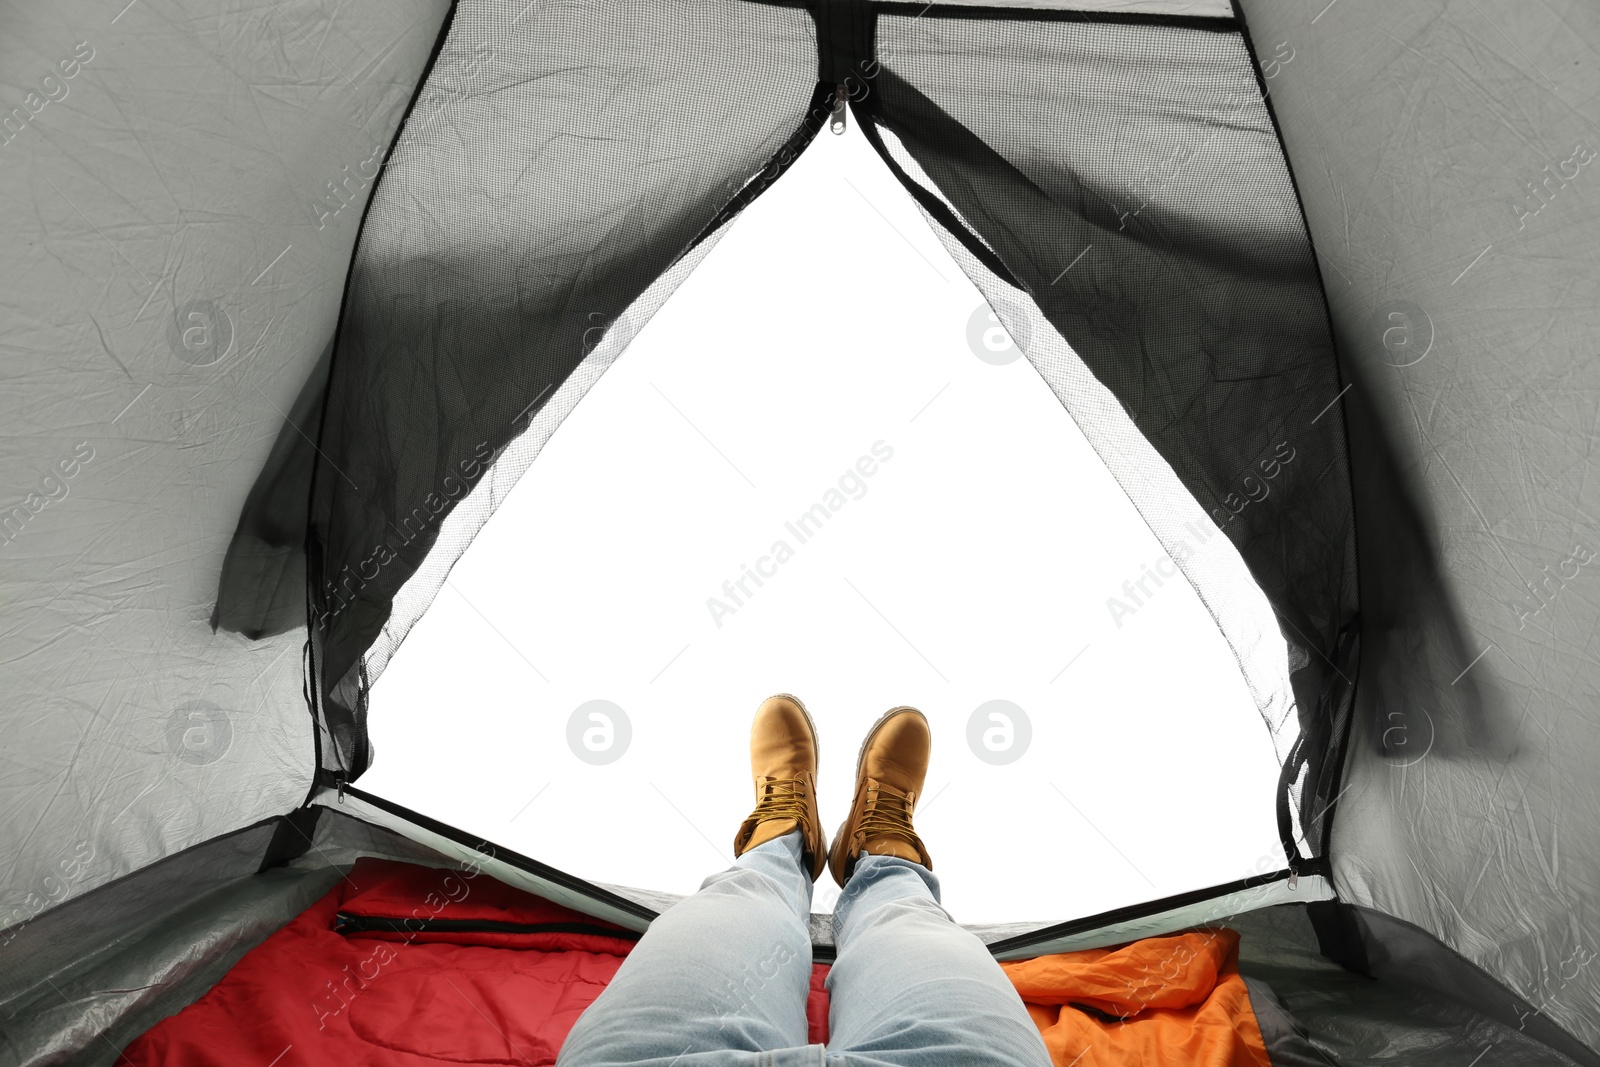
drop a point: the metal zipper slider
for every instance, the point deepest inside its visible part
(339, 781)
(841, 97)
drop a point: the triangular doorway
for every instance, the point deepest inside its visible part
(974, 549)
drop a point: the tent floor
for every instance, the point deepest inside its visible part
(90, 976)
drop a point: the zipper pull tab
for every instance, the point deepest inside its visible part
(841, 97)
(339, 781)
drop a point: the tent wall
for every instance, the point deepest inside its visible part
(183, 184)
(84, 979)
(1422, 1005)
(1446, 157)
(87, 977)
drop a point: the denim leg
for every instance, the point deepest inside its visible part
(910, 988)
(719, 980)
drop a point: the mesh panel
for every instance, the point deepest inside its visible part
(1129, 179)
(559, 159)
(462, 524)
(1219, 576)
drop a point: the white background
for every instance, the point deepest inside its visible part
(976, 566)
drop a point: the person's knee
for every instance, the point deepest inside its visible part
(750, 882)
(894, 914)
(975, 1021)
(781, 962)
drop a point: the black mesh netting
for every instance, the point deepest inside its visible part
(556, 163)
(1128, 177)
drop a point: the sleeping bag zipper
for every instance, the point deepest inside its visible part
(400, 924)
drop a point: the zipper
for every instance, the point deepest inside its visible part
(841, 98)
(346, 923)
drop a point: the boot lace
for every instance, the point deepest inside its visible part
(785, 804)
(887, 814)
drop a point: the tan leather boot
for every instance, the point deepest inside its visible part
(783, 762)
(889, 772)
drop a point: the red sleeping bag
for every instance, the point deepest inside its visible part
(403, 966)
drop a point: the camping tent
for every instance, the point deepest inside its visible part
(298, 290)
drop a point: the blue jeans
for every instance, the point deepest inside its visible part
(720, 979)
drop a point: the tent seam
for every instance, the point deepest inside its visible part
(314, 567)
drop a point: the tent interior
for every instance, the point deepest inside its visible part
(304, 290)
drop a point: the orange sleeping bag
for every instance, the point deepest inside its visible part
(1177, 999)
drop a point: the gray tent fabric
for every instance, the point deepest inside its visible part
(200, 353)
(262, 589)
(1459, 241)
(1314, 1012)
(93, 975)
(185, 185)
